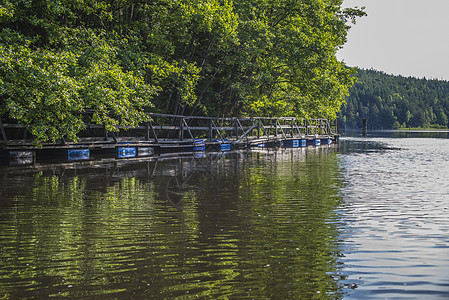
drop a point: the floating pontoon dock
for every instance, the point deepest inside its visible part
(170, 133)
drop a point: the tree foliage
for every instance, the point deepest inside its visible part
(389, 101)
(118, 59)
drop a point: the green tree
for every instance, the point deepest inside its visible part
(48, 90)
(60, 59)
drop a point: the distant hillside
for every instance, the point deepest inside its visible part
(389, 101)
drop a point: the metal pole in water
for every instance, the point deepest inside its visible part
(365, 127)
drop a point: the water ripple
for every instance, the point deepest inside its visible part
(395, 200)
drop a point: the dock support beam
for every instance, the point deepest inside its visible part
(148, 127)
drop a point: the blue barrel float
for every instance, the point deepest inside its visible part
(224, 144)
(78, 154)
(291, 143)
(317, 142)
(199, 154)
(326, 141)
(295, 143)
(126, 152)
(267, 144)
(198, 145)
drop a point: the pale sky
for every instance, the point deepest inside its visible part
(400, 37)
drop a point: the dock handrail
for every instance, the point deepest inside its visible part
(164, 127)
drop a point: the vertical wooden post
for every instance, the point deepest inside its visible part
(258, 129)
(276, 128)
(105, 133)
(181, 129)
(236, 129)
(291, 128)
(147, 131)
(5, 139)
(210, 131)
(114, 137)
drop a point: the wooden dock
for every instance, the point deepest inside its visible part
(168, 134)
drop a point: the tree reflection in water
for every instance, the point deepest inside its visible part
(238, 225)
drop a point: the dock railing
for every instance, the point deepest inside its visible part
(166, 128)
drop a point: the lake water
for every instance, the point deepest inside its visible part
(367, 219)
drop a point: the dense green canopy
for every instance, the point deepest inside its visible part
(120, 58)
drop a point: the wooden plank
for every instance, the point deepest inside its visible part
(17, 126)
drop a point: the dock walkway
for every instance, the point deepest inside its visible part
(170, 133)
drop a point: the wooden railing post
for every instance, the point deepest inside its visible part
(276, 128)
(105, 133)
(291, 128)
(258, 129)
(236, 128)
(181, 129)
(147, 131)
(210, 130)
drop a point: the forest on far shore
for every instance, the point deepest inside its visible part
(392, 102)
